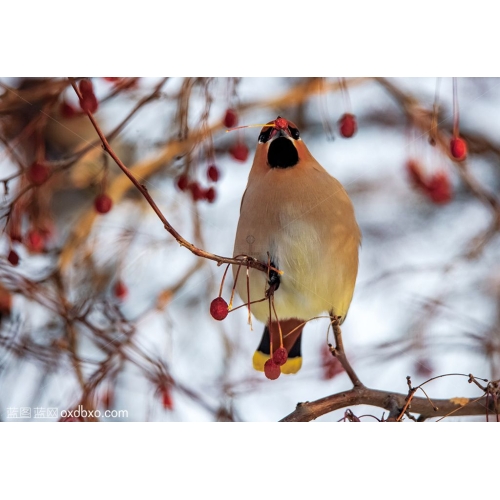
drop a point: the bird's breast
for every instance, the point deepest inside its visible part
(306, 227)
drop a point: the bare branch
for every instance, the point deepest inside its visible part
(393, 402)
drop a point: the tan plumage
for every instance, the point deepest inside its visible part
(304, 218)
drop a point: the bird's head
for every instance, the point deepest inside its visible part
(280, 145)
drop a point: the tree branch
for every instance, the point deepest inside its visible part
(390, 401)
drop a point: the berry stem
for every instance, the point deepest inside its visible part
(222, 283)
(104, 175)
(248, 295)
(323, 109)
(455, 108)
(234, 287)
(270, 333)
(247, 303)
(345, 95)
(40, 143)
(278, 321)
(268, 271)
(302, 325)
(435, 112)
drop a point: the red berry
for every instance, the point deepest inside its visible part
(347, 125)
(120, 290)
(35, 241)
(458, 148)
(219, 309)
(166, 399)
(213, 173)
(88, 101)
(280, 356)
(86, 87)
(89, 104)
(439, 188)
(231, 118)
(38, 173)
(271, 370)
(13, 258)
(210, 195)
(197, 192)
(111, 78)
(182, 182)
(103, 203)
(66, 110)
(280, 123)
(239, 151)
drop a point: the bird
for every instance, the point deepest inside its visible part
(298, 219)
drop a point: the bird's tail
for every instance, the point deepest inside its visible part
(292, 336)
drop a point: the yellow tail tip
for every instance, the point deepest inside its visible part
(293, 365)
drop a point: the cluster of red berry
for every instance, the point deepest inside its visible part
(272, 367)
(35, 241)
(37, 236)
(197, 192)
(238, 151)
(437, 187)
(89, 102)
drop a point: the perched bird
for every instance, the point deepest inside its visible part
(297, 217)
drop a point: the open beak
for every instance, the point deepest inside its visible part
(273, 130)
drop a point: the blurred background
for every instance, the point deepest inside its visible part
(100, 308)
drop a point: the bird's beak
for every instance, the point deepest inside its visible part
(275, 129)
(280, 133)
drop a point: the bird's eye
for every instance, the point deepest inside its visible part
(265, 134)
(294, 132)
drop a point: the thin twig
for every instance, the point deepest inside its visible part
(339, 353)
